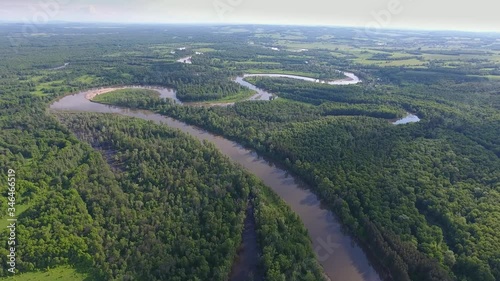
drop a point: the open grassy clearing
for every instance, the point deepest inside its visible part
(61, 273)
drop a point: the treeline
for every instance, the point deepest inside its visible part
(192, 82)
(133, 98)
(207, 91)
(286, 250)
(428, 76)
(286, 111)
(308, 92)
(372, 110)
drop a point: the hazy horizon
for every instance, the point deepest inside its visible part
(378, 14)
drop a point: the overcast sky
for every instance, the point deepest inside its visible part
(479, 15)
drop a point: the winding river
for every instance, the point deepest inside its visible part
(264, 95)
(185, 60)
(350, 79)
(409, 118)
(342, 259)
(60, 67)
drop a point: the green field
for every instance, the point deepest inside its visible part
(240, 96)
(281, 71)
(20, 208)
(62, 273)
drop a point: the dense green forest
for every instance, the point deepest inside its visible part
(400, 177)
(429, 186)
(96, 192)
(153, 190)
